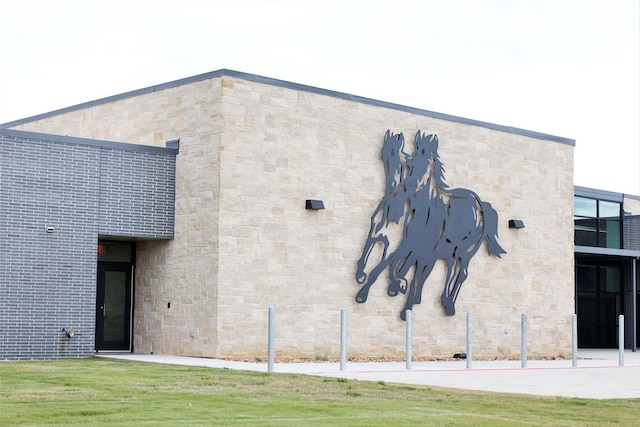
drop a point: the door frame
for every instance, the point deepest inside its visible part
(599, 297)
(125, 345)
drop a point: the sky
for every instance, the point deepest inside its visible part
(568, 68)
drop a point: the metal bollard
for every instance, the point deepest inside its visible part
(574, 340)
(408, 338)
(343, 339)
(523, 350)
(469, 336)
(621, 340)
(271, 352)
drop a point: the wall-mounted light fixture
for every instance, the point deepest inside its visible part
(50, 229)
(173, 143)
(314, 205)
(69, 332)
(516, 223)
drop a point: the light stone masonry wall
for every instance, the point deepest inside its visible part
(251, 153)
(631, 205)
(283, 146)
(182, 272)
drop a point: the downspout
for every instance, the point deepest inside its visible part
(634, 304)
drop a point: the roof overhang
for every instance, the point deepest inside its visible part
(622, 253)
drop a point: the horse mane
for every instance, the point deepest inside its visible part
(437, 172)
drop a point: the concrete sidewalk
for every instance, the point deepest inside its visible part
(597, 376)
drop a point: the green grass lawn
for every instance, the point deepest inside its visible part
(100, 392)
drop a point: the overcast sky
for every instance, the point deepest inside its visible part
(564, 67)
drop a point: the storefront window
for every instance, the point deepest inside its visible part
(597, 223)
(608, 209)
(585, 207)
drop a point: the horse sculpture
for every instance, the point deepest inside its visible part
(389, 210)
(438, 223)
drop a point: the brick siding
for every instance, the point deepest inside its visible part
(48, 279)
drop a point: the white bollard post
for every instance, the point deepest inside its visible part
(408, 338)
(343, 339)
(469, 337)
(270, 350)
(574, 340)
(523, 350)
(621, 340)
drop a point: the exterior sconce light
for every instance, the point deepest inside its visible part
(49, 229)
(69, 332)
(173, 143)
(314, 205)
(516, 223)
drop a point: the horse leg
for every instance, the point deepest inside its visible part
(414, 296)
(426, 272)
(410, 299)
(456, 275)
(361, 275)
(363, 293)
(397, 273)
(445, 298)
(377, 223)
(395, 287)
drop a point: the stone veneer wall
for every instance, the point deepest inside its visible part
(182, 272)
(631, 204)
(251, 153)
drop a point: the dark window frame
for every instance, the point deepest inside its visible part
(585, 224)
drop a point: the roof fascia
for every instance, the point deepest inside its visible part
(593, 193)
(295, 86)
(86, 141)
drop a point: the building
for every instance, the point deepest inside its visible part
(607, 248)
(168, 219)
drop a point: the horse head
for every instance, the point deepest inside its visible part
(426, 144)
(394, 158)
(425, 148)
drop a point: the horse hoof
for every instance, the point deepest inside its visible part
(450, 311)
(403, 315)
(402, 286)
(360, 278)
(392, 289)
(361, 298)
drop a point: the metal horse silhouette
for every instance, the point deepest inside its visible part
(437, 223)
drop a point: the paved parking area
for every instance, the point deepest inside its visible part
(597, 374)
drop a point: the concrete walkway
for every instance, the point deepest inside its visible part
(597, 376)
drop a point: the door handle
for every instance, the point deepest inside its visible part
(102, 308)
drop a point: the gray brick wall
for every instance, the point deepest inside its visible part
(48, 280)
(141, 204)
(631, 232)
(631, 240)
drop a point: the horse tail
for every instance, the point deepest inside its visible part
(490, 233)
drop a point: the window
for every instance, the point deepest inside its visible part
(597, 223)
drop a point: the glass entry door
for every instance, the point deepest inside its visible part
(114, 295)
(113, 306)
(599, 302)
